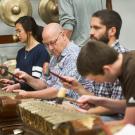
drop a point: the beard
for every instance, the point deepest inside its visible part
(104, 38)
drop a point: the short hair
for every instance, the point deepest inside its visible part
(110, 18)
(93, 56)
(29, 25)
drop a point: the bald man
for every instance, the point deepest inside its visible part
(63, 62)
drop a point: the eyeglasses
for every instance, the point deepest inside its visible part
(54, 41)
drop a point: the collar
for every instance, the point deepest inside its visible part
(65, 51)
(115, 43)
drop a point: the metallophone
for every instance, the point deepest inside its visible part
(36, 117)
(10, 120)
(55, 119)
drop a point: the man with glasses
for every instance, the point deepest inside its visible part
(63, 62)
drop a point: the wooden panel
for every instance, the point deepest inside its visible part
(109, 4)
(4, 39)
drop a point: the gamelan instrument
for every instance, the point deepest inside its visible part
(10, 121)
(48, 11)
(12, 10)
(54, 119)
(9, 117)
(36, 117)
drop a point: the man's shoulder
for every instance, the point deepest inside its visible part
(120, 48)
(73, 47)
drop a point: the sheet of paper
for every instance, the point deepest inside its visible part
(127, 130)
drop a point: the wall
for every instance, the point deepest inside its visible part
(10, 50)
(124, 7)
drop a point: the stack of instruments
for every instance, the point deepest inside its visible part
(36, 117)
(10, 120)
(7, 105)
(54, 119)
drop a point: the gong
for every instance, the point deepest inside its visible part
(48, 11)
(12, 10)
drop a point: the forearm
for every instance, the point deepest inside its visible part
(101, 111)
(79, 88)
(82, 91)
(47, 93)
(118, 105)
(128, 118)
(37, 84)
(116, 123)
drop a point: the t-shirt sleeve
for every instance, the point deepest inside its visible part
(40, 59)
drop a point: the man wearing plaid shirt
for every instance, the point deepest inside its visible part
(105, 26)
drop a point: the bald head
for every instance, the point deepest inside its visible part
(52, 29)
(55, 38)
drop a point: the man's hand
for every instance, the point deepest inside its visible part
(21, 93)
(86, 101)
(6, 82)
(10, 88)
(22, 74)
(3, 70)
(72, 83)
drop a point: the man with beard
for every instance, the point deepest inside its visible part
(74, 17)
(105, 26)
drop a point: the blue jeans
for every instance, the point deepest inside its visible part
(111, 117)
